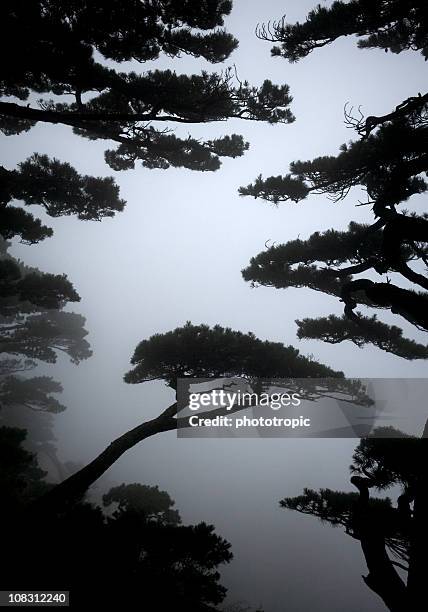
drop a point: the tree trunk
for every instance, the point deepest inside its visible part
(74, 487)
(382, 578)
(417, 580)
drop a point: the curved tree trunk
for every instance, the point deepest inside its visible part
(74, 487)
(383, 579)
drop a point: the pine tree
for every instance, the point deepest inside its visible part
(203, 352)
(52, 45)
(59, 189)
(327, 262)
(389, 161)
(391, 25)
(390, 535)
(34, 329)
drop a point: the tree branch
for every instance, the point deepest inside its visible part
(76, 119)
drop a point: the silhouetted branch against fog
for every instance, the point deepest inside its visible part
(389, 161)
(390, 536)
(195, 351)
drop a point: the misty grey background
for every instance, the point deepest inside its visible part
(175, 254)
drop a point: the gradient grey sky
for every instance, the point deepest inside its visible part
(175, 254)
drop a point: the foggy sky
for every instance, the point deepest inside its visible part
(175, 254)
